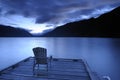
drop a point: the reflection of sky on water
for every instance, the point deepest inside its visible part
(102, 54)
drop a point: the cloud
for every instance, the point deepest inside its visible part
(48, 14)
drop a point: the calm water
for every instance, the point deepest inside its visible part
(102, 54)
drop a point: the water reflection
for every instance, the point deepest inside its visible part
(102, 54)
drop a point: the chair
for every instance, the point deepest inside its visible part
(40, 58)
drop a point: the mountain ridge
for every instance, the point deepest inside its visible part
(107, 25)
(8, 31)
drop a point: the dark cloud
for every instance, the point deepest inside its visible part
(11, 12)
(45, 18)
(52, 12)
(0, 10)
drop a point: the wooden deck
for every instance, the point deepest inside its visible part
(60, 69)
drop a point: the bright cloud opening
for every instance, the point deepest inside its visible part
(35, 29)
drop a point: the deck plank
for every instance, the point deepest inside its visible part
(60, 69)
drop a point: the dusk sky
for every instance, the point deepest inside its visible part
(39, 15)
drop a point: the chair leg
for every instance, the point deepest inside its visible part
(37, 66)
(47, 67)
(34, 69)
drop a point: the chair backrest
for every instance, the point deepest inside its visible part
(40, 55)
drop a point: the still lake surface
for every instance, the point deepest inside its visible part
(102, 54)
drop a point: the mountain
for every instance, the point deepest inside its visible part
(107, 25)
(7, 31)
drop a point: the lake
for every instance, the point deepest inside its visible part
(102, 54)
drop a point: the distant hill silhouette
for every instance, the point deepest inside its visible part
(7, 31)
(107, 25)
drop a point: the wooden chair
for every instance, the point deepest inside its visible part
(40, 58)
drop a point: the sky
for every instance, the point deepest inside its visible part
(39, 16)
